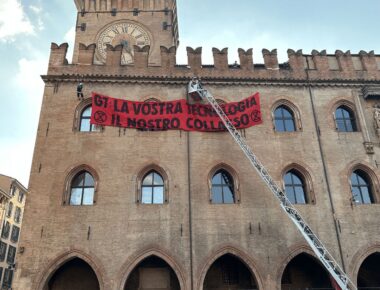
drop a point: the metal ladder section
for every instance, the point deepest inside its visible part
(319, 249)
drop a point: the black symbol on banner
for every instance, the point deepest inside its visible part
(100, 117)
(256, 116)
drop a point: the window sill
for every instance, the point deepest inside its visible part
(89, 132)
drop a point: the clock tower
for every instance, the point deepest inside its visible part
(128, 23)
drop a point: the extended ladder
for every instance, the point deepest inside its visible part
(196, 91)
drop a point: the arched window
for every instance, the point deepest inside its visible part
(82, 189)
(361, 187)
(152, 188)
(345, 120)
(85, 118)
(284, 119)
(295, 187)
(222, 190)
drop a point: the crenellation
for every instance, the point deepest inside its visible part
(141, 56)
(270, 59)
(194, 57)
(321, 61)
(58, 54)
(341, 65)
(345, 62)
(114, 55)
(123, 5)
(86, 54)
(369, 62)
(220, 58)
(297, 62)
(246, 59)
(168, 57)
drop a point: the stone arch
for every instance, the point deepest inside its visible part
(307, 178)
(297, 252)
(370, 172)
(152, 100)
(360, 256)
(71, 173)
(78, 112)
(233, 251)
(292, 107)
(65, 257)
(145, 170)
(133, 262)
(231, 171)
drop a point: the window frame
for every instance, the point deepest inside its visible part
(3, 251)
(81, 107)
(5, 231)
(13, 190)
(232, 172)
(21, 196)
(368, 185)
(293, 173)
(372, 179)
(307, 180)
(8, 273)
(293, 109)
(142, 174)
(70, 178)
(10, 209)
(152, 187)
(11, 258)
(15, 229)
(352, 119)
(17, 217)
(82, 188)
(348, 105)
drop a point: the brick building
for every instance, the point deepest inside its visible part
(113, 208)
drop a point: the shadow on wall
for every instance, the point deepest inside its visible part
(152, 273)
(74, 275)
(228, 272)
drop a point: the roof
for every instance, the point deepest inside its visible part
(6, 182)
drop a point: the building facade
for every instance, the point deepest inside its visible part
(11, 222)
(113, 208)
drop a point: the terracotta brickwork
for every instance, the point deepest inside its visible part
(187, 231)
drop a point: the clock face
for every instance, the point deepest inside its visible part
(126, 33)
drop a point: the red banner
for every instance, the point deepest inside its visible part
(173, 115)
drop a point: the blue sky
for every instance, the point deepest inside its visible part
(27, 27)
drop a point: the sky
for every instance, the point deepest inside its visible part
(27, 27)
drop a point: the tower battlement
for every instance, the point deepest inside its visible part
(122, 5)
(319, 65)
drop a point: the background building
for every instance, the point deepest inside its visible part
(11, 221)
(115, 208)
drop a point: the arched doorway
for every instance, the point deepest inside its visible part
(75, 274)
(305, 272)
(229, 272)
(152, 273)
(369, 273)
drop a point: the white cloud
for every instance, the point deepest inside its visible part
(70, 39)
(35, 9)
(16, 156)
(28, 77)
(13, 20)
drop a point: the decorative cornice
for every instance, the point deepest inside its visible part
(227, 81)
